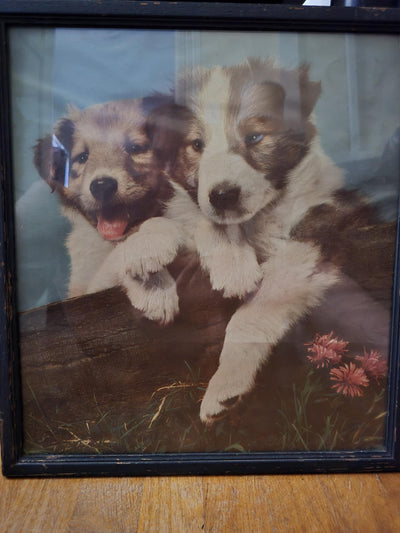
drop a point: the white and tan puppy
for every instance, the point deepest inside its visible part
(252, 159)
(113, 190)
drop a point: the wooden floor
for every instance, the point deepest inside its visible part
(321, 503)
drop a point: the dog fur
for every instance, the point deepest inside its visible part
(251, 157)
(114, 196)
(232, 170)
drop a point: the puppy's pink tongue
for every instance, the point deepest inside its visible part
(112, 229)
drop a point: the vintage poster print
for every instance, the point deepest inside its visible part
(205, 238)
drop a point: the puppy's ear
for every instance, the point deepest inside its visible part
(52, 154)
(166, 128)
(310, 91)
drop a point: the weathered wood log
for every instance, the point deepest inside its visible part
(96, 355)
(98, 377)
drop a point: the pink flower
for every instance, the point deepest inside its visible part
(350, 379)
(373, 364)
(326, 350)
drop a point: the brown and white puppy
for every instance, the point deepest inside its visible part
(252, 157)
(113, 190)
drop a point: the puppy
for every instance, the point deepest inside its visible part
(251, 157)
(113, 190)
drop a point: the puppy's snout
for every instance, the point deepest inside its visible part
(103, 189)
(224, 196)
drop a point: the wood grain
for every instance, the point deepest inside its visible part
(89, 383)
(329, 503)
(172, 504)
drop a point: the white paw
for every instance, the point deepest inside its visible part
(149, 256)
(152, 248)
(228, 258)
(156, 297)
(223, 392)
(233, 270)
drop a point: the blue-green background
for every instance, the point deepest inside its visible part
(358, 113)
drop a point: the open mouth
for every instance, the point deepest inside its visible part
(113, 222)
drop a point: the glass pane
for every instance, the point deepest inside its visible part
(214, 271)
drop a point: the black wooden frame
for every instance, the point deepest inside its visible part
(175, 15)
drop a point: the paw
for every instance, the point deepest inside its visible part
(149, 256)
(223, 393)
(234, 271)
(156, 297)
(228, 258)
(152, 248)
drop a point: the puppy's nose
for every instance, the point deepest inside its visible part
(224, 197)
(103, 189)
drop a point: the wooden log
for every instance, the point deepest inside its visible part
(98, 377)
(93, 362)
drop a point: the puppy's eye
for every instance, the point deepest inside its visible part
(253, 138)
(197, 145)
(133, 148)
(82, 157)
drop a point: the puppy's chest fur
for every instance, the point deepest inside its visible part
(342, 226)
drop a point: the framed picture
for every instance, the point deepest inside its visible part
(213, 285)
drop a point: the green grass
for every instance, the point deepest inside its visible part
(310, 416)
(315, 418)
